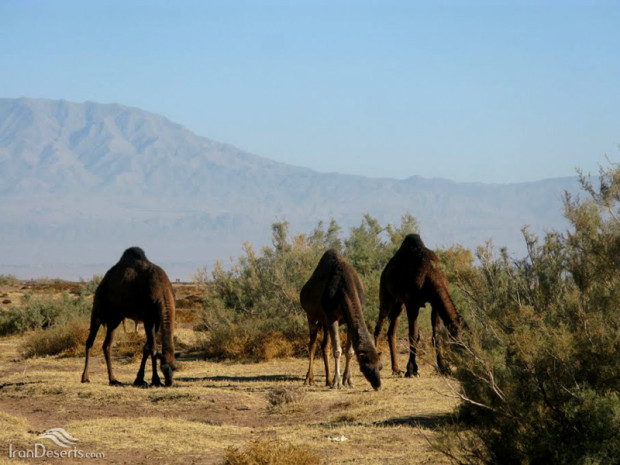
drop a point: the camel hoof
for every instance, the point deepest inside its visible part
(141, 383)
(398, 373)
(412, 374)
(336, 384)
(157, 383)
(444, 371)
(115, 382)
(85, 380)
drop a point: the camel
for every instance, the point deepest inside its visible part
(413, 277)
(137, 289)
(334, 295)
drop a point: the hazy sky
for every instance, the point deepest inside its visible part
(493, 91)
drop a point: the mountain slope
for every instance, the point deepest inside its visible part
(79, 182)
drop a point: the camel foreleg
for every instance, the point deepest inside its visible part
(107, 346)
(442, 366)
(313, 330)
(334, 334)
(94, 328)
(348, 352)
(413, 309)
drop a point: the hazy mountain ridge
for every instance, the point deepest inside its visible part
(81, 181)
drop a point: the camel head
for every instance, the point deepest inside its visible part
(167, 367)
(370, 364)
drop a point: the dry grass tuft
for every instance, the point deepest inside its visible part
(69, 340)
(286, 399)
(65, 339)
(263, 452)
(245, 343)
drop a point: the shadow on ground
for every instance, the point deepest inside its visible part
(422, 421)
(243, 379)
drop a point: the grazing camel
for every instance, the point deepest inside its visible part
(413, 277)
(138, 289)
(334, 295)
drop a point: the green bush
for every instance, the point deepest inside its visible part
(8, 280)
(538, 367)
(88, 288)
(39, 312)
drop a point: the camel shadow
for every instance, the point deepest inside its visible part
(421, 421)
(243, 379)
(19, 384)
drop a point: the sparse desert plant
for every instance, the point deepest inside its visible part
(88, 288)
(38, 312)
(8, 280)
(270, 452)
(67, 339)
(254, 340)
(286, 399)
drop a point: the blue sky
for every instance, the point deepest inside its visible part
(491, 91)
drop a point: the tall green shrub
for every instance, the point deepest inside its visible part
(539, 370)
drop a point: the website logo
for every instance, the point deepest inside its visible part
(59, 436)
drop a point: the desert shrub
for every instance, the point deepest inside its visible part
(270, 452)
(8, 280)
(88, 288)
(254, 340)
(538, 366)
(282, 395)
(37, 312)
(286, 399)
(67, 339)
(250, 308)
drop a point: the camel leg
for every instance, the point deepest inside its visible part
(382, 316)
(325, 350)
(147, 350)
(413, 309)
(107, 345)
(94, 328)
(348, 352)
(442, 366)
(314, 331)
(155, 380)
(337, 351)
(391, 336)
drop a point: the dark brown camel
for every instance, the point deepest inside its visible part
(334, 295)
(413, 277)
(138, 289)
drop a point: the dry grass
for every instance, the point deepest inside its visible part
(287, 399)
(245, 343)
(65, 339)
(270, 452)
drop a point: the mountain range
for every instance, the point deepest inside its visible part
(80, 182)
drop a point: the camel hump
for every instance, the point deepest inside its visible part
(342, 277)
(414, 242)
(133, 254)
(332, 255)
